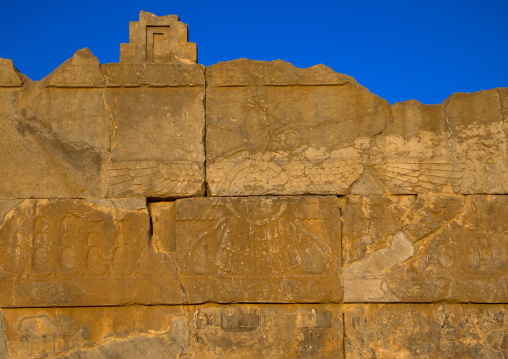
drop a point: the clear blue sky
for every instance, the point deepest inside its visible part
(400, 50)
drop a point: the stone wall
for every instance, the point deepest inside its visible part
(153, 208)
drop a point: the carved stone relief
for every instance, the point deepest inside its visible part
(426, 331)
(318, 201)
(271, 249)
(425, 249)
(82, 253)
(312, 136)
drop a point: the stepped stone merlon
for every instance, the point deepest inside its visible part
(158, 39)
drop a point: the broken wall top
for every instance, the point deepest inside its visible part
(137, 128)
(127, 129)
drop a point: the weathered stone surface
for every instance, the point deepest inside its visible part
(424, 248)
(52, 142)
(9, 76)
(153, 75)
(88, 271)
(81, 70)
(81, 253)
(209, 331)
(163, 226)
(264, 249)
(266, 331)
(455, 147)
(158, 39)
(274, 129)
(99, 332)
(70, 136)
(426, 331)
(158, 145)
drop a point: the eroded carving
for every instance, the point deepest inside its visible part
(267, 330)
(74, 252)
(426, 331)
(410, 249)
(286, 139)
(259, 249)
(50, 332)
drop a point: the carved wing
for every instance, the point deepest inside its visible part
(153, 178)
(420, 176)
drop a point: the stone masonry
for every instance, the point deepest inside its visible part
(155, 208)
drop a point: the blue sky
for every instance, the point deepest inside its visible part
(400, 50)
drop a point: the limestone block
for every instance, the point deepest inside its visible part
(163, 226)
(259, 249)
(158, 39)
(154, 332)
(9, 76)
(65, 139)
(81, 253)
(426, 331)
(158, 147)
(425, 248)
(156, 75)
(81, 70)
(455, 147)
(53, 142)
(275, 129)
(95, 332)
(266, 331)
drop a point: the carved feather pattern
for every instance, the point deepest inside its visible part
(250, 242)
(262, 249)
(154, 178)
(420, 176)
(314, 177)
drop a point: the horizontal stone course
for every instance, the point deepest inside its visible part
(155, 208)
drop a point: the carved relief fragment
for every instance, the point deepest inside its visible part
(77, 252)
(455, 147)
(424, 249)
(263, 138)
(272, 331)
(95, 332)
(426, 331)
(265, 249)
(158, 149)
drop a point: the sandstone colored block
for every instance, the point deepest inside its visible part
(9, 76)
(154, 332)
(426, 331)
(53, 142)
(259, 249)
(266, 331)
(96, 332)
(425, 248)
(158, 147)
(81, 253)
(455, 147)
(158, 39)
(156, 75)
(275, 129)
(163, 227)
(69, 136)
(82, 70)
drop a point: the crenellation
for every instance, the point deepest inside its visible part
(155, 208)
